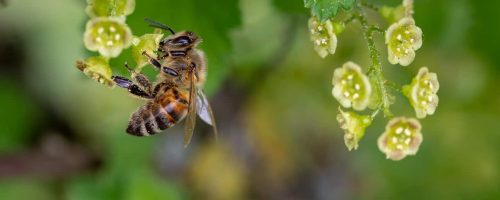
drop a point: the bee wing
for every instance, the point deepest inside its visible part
(204, 110)
(191, 116)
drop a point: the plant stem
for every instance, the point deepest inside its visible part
(375, 69)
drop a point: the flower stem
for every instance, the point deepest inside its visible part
(375, 69)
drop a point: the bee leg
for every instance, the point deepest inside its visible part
(140, 79)
(157, 64)
(131, 87)
(152, 60)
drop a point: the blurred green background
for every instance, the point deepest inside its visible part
(62, 135)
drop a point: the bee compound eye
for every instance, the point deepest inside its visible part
(182, 41)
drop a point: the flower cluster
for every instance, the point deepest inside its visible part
(354, 89)
(107, 33)
(323, 36)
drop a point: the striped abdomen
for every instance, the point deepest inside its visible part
(159, 114)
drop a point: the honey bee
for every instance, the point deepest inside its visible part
(177, 93)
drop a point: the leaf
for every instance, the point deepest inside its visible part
(291, 7)
(327, 9)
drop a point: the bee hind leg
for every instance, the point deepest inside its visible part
(140, 79)
(131, 87)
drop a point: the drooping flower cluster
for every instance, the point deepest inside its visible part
(323, 36)
(106, 33)
(354, 89)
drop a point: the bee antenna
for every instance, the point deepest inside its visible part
(156, 24)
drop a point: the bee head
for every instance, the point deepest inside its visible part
(184, 39)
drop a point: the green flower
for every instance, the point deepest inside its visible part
(323, 36)
(354, 126)
(422, 93)
(351, 86)
(402, 137)
(105, 8)
(97, 68)
(403, 38)
(108, 35)
(148, 43)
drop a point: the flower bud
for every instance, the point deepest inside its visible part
(354, 126)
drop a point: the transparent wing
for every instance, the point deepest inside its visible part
(204, 110)
(191, 116)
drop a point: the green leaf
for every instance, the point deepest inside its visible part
(327, 9)
(291, 7)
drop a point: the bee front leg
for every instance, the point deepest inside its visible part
(131, 87)
(152, 60)
(157, 64)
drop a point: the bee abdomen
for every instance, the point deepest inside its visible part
(154, 117)
(142, 122)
